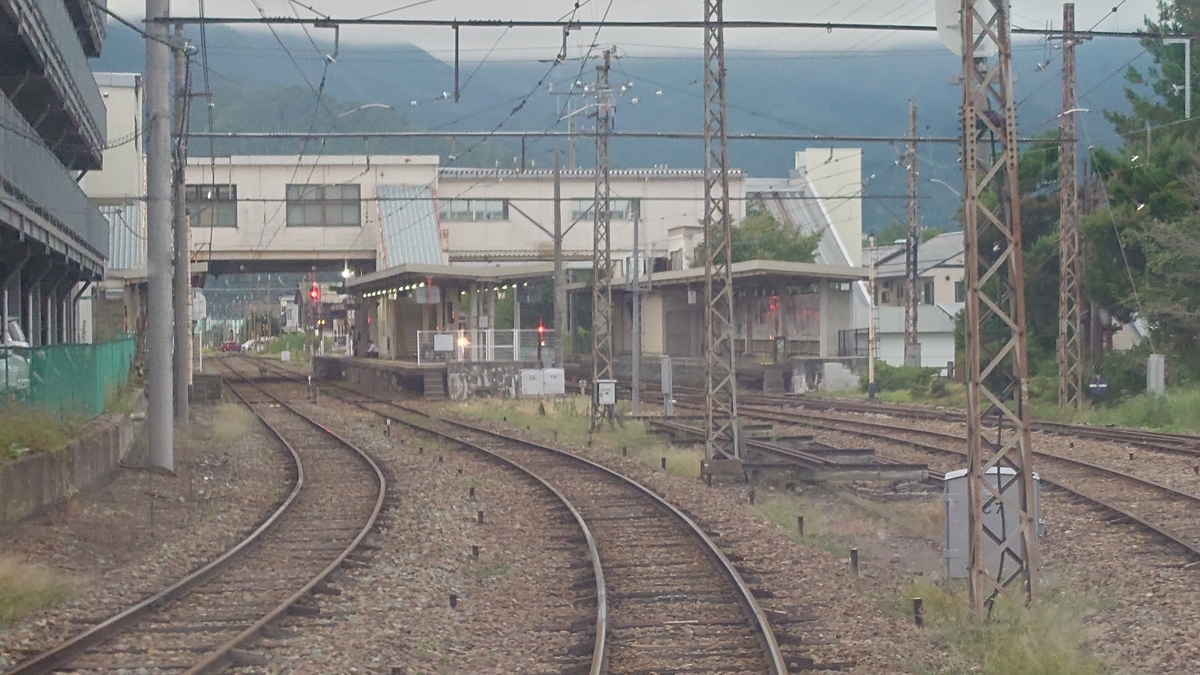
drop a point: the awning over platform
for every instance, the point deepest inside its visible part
(400, 277)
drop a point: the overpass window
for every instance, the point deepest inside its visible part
(212, 205)
(622, 209)
(472, 209)
(324, 206)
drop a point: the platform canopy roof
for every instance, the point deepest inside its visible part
(405, 277)
(760, 271)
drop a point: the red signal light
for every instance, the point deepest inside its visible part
(315, 293)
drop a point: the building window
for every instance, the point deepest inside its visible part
(212, 205)
(324, 206)
(473, 209)
(676, 260)
(622, 209)
(960, 292)
(887, 298)
(927, 296)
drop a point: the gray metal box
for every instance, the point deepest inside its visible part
(954, 495)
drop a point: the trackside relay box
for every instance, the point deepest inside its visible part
(996, 517)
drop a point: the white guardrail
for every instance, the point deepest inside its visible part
(465, 346)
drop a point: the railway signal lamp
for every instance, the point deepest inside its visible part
(315, 292)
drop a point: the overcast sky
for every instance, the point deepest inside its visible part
(539, 43)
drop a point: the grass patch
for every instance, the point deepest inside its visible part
(219, 428)
(783, 510)
(569, 420)
(1047, 639)
(28, 429)
(1178, 411)
(492, 571)
(25, 588)
(123, 399)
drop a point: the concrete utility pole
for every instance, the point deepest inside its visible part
(912, 273)
(560, 280)
(872, 263)
(182, 280)
(1070, 258)
(997, 369)
(158, 237)
(602, 248)
(636, 375)
(722, 430)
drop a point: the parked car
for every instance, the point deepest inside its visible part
(14, 359)
(231, 346)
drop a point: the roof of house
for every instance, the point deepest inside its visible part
(940, 251)
(408, 226)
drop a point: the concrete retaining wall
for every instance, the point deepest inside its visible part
(34, 483)
(467, 380)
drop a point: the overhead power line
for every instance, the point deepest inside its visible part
(665, 135)
(575, 25)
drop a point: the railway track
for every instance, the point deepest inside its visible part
(203, 622)
(1169, 512)
(675, 602)
(1154, 440)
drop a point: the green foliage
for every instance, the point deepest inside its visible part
(25, 588)
(761, 237)
(1048, 639)
(23, 426)
(899, 378)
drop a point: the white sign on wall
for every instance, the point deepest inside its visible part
(443, 342)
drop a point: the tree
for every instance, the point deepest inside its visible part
(1142, 256)
(761, 237)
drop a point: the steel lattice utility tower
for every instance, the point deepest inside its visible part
(720, 394)
(1070, 263)
(602, 247)
(912, 274)
(997, 365)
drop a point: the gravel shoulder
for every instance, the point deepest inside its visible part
(127, 540)
(1144, 616)
(515, 603)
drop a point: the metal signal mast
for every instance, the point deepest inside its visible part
(1070, 263)
(1002, 559)
(602, 247)
(912, 274)
(720, 394)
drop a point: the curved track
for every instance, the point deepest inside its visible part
(198, 624)
(675, 603)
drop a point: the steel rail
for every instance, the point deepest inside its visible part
(762, 625)
(831, 424)
(599, 650)
(214, 661)
(68, 651)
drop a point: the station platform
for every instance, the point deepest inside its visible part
(427, 380)
(435, 381)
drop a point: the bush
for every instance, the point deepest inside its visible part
(899, 378)
(24, 427)
(938, 387)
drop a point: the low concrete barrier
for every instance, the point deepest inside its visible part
(31, 484)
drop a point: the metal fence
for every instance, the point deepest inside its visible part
(459, 346)
(854, 342)
(66, 380)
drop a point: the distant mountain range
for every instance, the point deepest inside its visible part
(257, 87)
